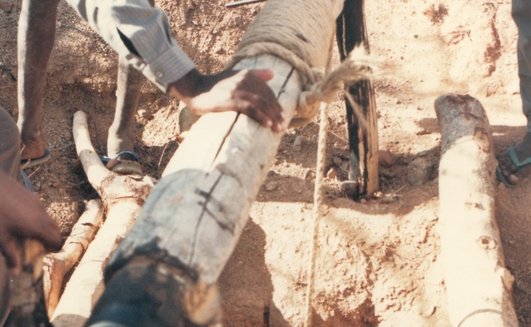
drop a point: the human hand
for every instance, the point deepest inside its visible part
(23, 216)
(242, 91)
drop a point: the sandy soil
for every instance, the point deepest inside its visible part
(377, 263)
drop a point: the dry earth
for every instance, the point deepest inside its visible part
(377, 262)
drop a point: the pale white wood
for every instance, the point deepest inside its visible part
(94, 168)
(86, 284)
(477, 283)
(122, 197)
(57, 265)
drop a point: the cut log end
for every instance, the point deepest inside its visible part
(478, 285)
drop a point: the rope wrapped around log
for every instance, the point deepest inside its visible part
(283, 29)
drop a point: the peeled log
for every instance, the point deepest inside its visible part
(122, 197)
(57, 265)
(478, 285)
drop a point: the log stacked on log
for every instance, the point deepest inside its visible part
(478, 285)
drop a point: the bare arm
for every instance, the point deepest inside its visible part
(141, 34)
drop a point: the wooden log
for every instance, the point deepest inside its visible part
(478, 285)
(362, 131)
(122, 197)
(200, 205)
(57, 265)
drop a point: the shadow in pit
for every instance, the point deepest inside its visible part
(246, 286)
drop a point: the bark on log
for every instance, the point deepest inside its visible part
(363, 138)
(478, 285)
(122, 197)
(57, 265)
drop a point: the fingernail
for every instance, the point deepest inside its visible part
(268, 123)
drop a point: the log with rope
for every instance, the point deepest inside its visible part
(193, 218)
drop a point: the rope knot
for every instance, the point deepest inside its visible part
(357, 66)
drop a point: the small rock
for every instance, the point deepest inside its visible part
(74, 206)
(271, 186)
(331, 174)
(419, 171)
(145, 114)
(310, 175)
(337, 160)
(501, 186)
(350, 188)
(423, 153)
(389, 172)
(6, 6)
(297, 144)
(386, 199)
(385, 158)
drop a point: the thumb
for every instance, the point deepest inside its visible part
(264, 74)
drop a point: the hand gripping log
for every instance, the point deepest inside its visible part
(193, 218)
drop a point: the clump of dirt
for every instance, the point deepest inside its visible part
(377, 261)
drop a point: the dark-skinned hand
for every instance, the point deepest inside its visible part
(23, 216)
(242, 91)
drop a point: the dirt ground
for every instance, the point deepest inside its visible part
(377, 262)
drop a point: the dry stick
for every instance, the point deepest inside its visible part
(57, 265)
(478, 286)
(162, 155)
(317, 202)
(122, 197)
